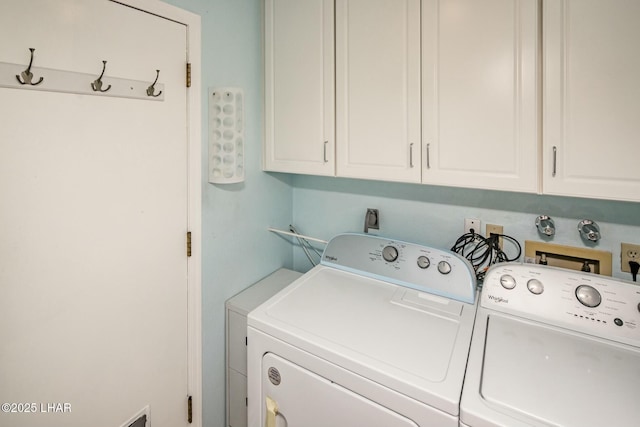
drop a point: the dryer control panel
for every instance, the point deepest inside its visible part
(415, 266)
(584, 302)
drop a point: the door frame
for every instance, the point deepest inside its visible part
(194, 184)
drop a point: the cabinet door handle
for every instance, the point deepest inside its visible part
(428, 156)
(411, 155)
(555, 160)
(325, 152)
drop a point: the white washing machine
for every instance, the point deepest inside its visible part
(553, 347)
(377, 335)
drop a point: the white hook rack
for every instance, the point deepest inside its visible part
(74, 82)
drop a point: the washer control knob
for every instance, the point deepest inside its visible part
(535, 286)
(588, 296)
(444, 267)
(423, 262)
(390, 253)
(507, 281)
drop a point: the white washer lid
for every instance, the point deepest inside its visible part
(412, 342)
(556, 377)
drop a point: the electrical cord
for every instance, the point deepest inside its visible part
(305, 245)
(634, 266)
(482, 252)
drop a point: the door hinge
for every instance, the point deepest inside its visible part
(188, 74)
(188, 243)
(190, 410)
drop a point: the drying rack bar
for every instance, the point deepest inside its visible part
(302, 236)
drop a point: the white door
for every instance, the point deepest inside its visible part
(378, 89)
(299, 87)
(480, 86)
(93, 267)
(306, 399)
(592, 99)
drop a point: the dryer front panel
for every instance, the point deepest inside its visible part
(295, 397)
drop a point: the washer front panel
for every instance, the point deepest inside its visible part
(585, 302)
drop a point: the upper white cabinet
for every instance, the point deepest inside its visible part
(469, 93)
(480, 93)
(299, 86)
(378, 89)
(591, 142)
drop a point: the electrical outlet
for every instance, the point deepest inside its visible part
(628, 252)
(495, 229)
(470, 223)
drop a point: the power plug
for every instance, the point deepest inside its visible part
(634, 266)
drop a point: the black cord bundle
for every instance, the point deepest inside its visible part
(482, 252)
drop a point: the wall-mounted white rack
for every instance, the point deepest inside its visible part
(226, 135)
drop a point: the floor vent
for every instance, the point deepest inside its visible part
(140, 422)
(141, 419)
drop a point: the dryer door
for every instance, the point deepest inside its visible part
(295, 397)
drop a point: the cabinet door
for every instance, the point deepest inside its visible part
(299, 86)
(592, 99)
(378, 89)
(480, 104)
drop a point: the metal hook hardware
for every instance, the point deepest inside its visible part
(97, 84)
(152, 88)
(27, 75)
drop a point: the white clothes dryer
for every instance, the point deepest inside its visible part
(553, 347)
(377, 335)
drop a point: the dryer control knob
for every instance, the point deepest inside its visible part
(423, 262)
(535, 286)
(444, 267)
(389, 253)
(507, 281)
(588, 296)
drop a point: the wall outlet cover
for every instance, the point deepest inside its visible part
(471, 223)
(628, 252)
(495, 229)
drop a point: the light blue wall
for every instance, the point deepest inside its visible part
(237, 248)
(434, 216)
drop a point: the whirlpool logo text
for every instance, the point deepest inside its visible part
(498, 299)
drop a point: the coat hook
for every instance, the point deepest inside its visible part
(97, 84)
(27, 75)
(152, 88)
